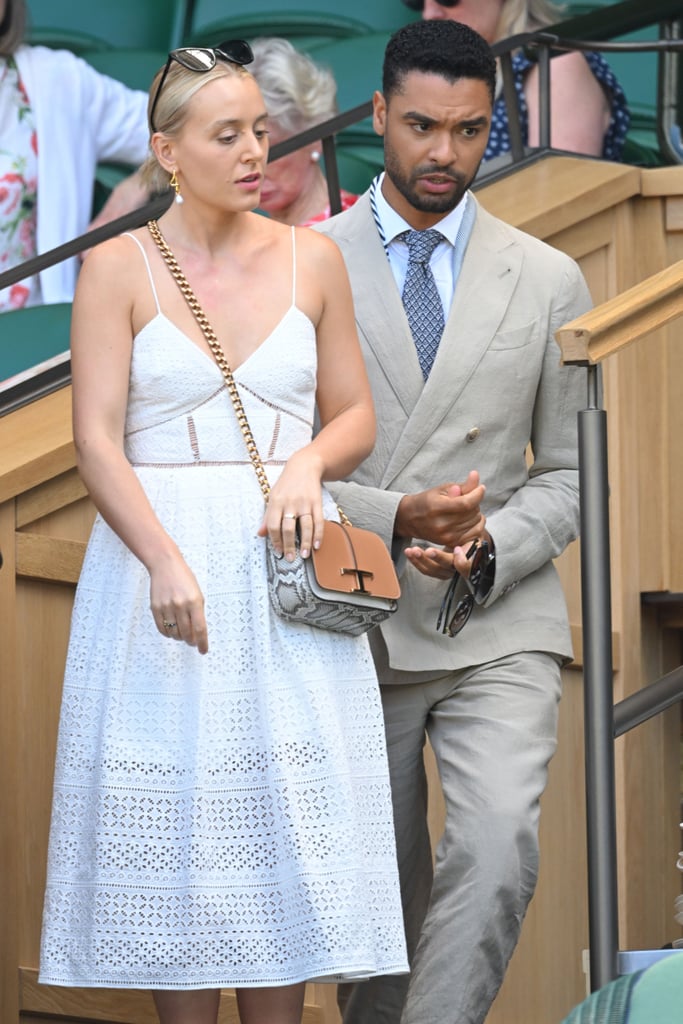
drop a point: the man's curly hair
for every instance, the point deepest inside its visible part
(445, 48)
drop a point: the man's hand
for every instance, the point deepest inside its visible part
(441, 563)
(448, 515)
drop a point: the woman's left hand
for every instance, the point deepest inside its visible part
(295, 507)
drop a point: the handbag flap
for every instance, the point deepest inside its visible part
(353, 560)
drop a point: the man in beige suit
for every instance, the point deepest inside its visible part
(450, 466)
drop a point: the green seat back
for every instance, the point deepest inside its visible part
(358, 165)
(134, 67)
(30, 337)
(310, 20)
(214, 20)
(356, 64)
(88, 25)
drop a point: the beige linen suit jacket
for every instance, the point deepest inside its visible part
(496, 387)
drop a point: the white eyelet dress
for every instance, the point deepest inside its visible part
(218, 820)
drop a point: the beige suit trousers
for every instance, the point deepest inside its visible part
(493, 731)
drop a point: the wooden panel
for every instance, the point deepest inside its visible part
(674, 432)
(661, 181)
(557, 192)
(585, 238)
(650, 418)
(116, 1006)
(43, 615)
(648, 819)
(49, 558)
(36, 443)
(11, 806)
(48, 497)
(674, 214)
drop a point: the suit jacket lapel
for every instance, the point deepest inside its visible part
(484, 289)
(380, 316)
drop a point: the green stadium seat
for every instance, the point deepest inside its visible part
(33, 338)
(301, 20)
(358, 165)
(356, 63)
(80, 25)
(135, 68)
(213, 20)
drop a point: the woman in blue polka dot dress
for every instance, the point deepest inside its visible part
(588, 107)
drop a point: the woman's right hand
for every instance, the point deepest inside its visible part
(178, 604)
(296, 501)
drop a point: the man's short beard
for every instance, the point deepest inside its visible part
(425, 203)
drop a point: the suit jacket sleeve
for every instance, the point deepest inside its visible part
(541, 517)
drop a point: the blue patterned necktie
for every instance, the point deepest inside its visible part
(421, 298)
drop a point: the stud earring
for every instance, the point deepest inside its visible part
(315, 156)
(175, 185)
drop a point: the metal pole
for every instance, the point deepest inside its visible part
(544, 97)
(332, 174)
(598, 700)
(512, 108)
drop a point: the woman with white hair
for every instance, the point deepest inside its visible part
(298, 94)
(587, 104)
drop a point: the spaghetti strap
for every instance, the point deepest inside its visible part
(293, 267)
(149, 269)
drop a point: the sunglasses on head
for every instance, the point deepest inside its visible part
(203, 58)
(418, 5)
(465, 591)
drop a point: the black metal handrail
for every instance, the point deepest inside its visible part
(651, 700)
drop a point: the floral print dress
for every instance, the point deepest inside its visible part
(18, 185)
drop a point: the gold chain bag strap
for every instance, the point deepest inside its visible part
(349, 583)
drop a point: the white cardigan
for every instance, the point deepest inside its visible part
(82, 117)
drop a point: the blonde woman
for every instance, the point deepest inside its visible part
(588, 108)
(221, 813)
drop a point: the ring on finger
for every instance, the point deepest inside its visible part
(289, 515)
(169, 625)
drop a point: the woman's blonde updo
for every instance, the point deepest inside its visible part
(170, 112)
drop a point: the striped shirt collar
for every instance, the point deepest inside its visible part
(391, 224)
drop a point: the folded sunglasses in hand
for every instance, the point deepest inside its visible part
(466, 591)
